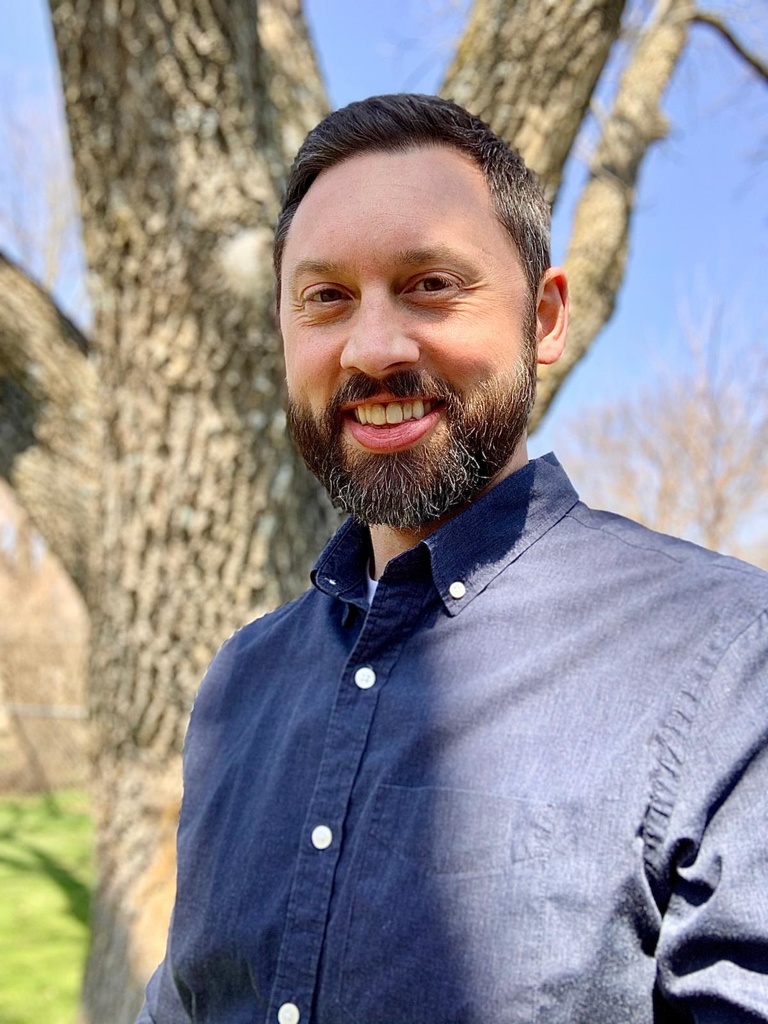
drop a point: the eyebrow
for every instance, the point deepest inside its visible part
(310, 266)
(412, 257)
(431, 254)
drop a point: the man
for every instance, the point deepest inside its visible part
(506, 760)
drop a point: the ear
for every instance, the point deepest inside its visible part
(552, 309)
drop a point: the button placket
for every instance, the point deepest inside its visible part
(305, 923)
(346, 738)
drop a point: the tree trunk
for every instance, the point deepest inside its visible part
(181, 116)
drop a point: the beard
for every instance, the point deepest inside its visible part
(410, 488)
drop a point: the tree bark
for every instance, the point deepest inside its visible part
(181, 116)
(529, 67)
(49, 419)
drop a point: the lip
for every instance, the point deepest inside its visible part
(390, 437)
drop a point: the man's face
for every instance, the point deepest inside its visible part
(409, 336)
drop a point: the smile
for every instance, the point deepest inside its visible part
(379, 415)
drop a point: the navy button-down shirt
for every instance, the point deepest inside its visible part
(530, 783)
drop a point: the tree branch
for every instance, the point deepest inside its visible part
(529, 70)
(597, 252)
(49, 438)
(752, 59)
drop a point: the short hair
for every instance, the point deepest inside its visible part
(401, 122)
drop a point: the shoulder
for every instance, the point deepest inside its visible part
(619, 545)
(617, 529)
(251, 652)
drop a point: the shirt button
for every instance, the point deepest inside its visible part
(288, 1014)
(365, 677)
(457, 590)
(322, 837)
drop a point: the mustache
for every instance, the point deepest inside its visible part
(401, 385)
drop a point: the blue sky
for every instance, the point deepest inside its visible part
(701, 229)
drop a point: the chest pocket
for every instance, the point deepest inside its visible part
(440, 916)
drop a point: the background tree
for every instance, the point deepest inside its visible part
(687, 454)
(152, 455)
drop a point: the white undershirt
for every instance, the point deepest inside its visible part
(371, 585)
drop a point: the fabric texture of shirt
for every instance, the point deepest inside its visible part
(530, 784)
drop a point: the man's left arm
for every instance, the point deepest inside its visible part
(710, 867)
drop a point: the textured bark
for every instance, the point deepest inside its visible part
(597, 251)
(529, 67)
(49, 419)
(181, 116)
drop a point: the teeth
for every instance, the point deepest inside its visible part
(393, 412)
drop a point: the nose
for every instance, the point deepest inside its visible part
(378, 341)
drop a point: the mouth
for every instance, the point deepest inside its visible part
(380, 414)
(390, 426)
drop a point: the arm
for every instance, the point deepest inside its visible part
(709, 865)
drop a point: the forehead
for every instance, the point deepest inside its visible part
(376, 203)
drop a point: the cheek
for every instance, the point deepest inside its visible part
(489, 341)
(309, 372)
(474, 357)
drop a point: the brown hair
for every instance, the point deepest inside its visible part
(406, 121)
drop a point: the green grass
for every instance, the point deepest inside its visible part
(45, 874)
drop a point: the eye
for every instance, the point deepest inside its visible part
(434, 283)
(325, 294)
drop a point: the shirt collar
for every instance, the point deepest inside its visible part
(468, 551)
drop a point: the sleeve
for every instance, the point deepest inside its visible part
(162, 1003)
(707, 841)
(145, 1017)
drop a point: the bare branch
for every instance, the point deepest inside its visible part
(39, 224)
(696, 466)
(49, 436)
(754, 60)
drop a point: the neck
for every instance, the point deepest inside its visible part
(388, 542)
